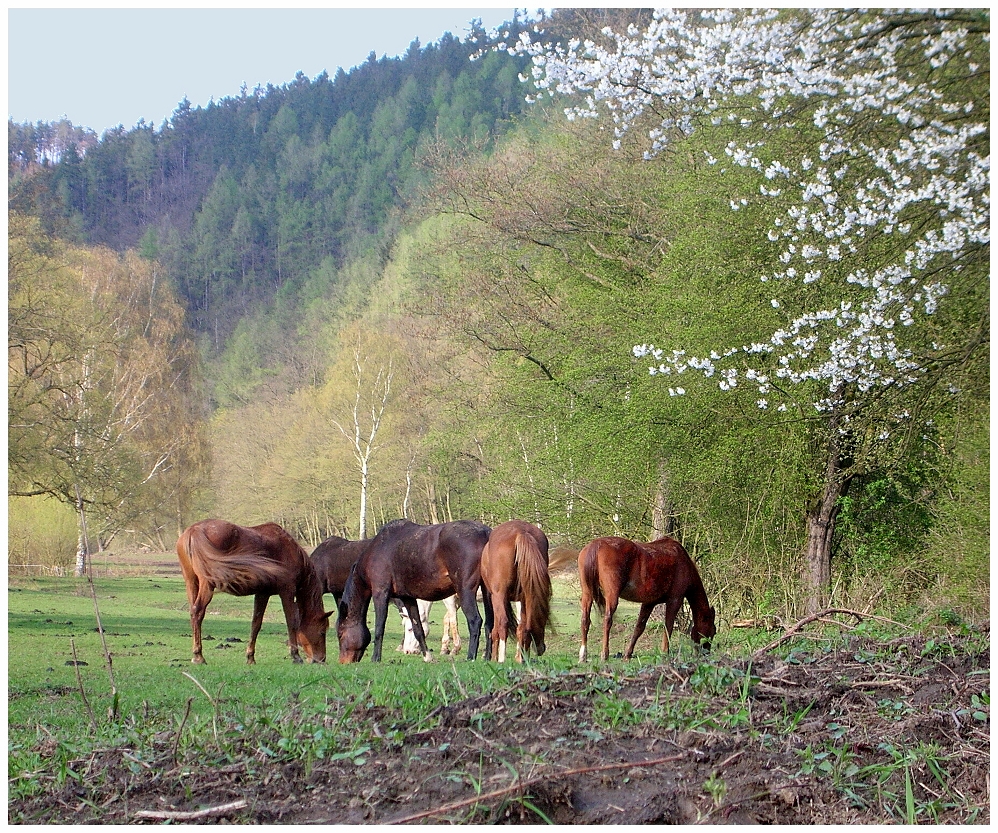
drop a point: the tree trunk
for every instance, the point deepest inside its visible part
(662, 518)
(82, 545)
(363, 499)
(821, 526)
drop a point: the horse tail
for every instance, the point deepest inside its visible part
(589, 571)
(229, 562)
(562, 557)
(535, 581)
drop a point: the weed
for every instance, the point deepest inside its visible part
(716, 788)
(613, 712)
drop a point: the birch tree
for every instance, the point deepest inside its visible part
(100, 376)
(371, 396)
(868, 133)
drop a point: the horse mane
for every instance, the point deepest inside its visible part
(696, 593)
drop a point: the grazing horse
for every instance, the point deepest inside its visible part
(515, 569)
(409, 561)
(259, 561)
(333, 560)
(611, 569)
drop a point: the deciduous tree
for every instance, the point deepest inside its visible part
(868, 132)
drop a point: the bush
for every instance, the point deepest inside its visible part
(41, 532)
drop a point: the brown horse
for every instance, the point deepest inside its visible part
(407, 561)
(334, 558)
(259, 561)
(515, 569)
(611, 569)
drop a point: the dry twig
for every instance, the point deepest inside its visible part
(192, 815)
(814, 617)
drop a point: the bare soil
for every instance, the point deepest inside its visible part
(865, 733)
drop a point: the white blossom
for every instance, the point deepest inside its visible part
(850, 187)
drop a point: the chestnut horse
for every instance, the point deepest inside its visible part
(259, 561)
(333, 560)
(661, 572)
(515, 569)
(408, 561)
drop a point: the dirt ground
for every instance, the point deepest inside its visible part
(862, 734)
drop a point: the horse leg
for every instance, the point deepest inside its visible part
(424, 618)
(380, 620)
(587, 609)
(639, 628)
(523, 631)
(671, 610)
(469, 604)
(490, 622)
(291, 616)
(416, 616)
(409, 645)
(450, 642)
(199, 599)
(500, 628)
(260, 601)
(608, 611)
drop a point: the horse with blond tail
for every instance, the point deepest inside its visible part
(515, 569)
(258, 561)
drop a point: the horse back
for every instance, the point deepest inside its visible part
(673, 557)
(427, 562)
(241, 560)
(333, 560)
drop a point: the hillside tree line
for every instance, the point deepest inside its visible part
(739, 296)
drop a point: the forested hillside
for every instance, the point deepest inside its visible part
(405, 288)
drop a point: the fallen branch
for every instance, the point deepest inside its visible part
(192, 815)
(519, 786)
(814, 617)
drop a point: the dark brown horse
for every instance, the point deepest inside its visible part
(407, 561)
(661, 572)
(259, 561)
(333, 559)
(515, 569)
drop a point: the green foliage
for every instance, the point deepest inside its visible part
(510, 265)
(40, 532)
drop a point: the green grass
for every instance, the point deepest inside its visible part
(147, 629)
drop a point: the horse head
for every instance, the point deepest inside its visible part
(351, 626)
(312, 637)
(703, 627)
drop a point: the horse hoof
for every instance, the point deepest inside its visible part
(296, 660)
(197, 659)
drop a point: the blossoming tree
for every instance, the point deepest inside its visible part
(869, 135)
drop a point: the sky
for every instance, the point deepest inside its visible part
(104, 67)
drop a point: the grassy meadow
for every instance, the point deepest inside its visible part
(146, 625)
(71, 740)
